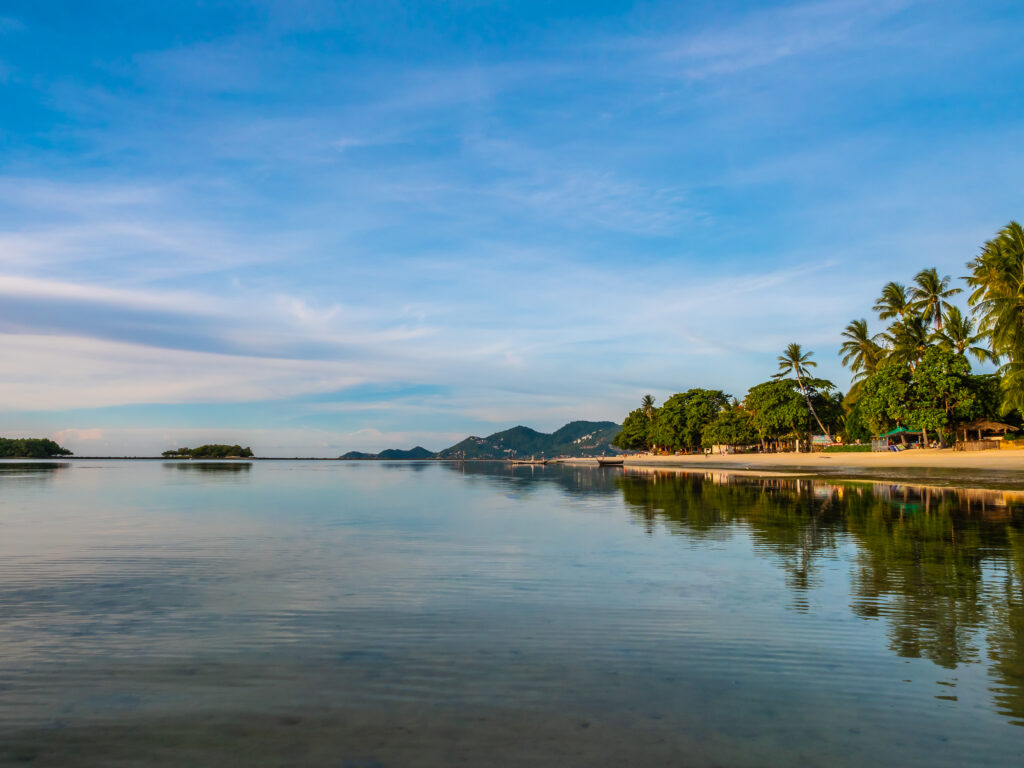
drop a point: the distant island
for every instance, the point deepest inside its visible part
(30, 448)
(418, 452)
(212, 451)
(575, 439)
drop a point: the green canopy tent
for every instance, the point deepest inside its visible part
(900, 431)
(882, 442)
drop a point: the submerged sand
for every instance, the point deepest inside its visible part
(1000, 468)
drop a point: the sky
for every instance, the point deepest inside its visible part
(313, 227)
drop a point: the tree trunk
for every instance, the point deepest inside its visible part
(924, 437)
(810, 407)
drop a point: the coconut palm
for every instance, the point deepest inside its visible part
(647, 406)
(893, 302)
(907, 340)
(794, 361)
(861, 351)
(929, 295)
(997, 277)
(957, 335)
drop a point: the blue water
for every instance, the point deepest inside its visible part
(376, 614)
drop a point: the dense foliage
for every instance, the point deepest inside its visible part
(212, 451)
(30, 448)
(915, 374)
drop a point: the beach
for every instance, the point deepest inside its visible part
(977, 468)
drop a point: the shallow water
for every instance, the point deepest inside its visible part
(375, 614)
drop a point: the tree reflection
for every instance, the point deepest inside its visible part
(942, 567)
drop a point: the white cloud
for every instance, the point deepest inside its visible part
(67, 372)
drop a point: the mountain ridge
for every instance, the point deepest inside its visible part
(576, 439)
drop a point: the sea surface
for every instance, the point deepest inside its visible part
(370, 615)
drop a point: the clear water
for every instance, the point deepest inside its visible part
(366, 614)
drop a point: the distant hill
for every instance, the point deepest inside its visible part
(391, 453)
(578, 438)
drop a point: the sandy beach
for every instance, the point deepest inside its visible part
(975, 468)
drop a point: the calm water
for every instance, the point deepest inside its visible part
(364, 614)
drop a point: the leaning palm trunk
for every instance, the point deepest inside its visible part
(810, 407)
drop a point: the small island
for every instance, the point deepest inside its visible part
(30, 448)
(211, 451)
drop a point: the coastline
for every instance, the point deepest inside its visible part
(1002, 469)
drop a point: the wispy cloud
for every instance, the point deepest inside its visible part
(294, 205)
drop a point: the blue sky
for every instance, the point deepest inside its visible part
(314, 227)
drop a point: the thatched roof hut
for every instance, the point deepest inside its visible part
(986, 425)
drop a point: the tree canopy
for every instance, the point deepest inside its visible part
(211, 451)
(30, 448)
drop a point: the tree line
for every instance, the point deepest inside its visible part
(211, 451)
(30, 448)
(915, 373)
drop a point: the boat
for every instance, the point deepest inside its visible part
(610, 461)
(529, 461)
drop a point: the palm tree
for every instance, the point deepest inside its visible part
(861, 351)
(929, 295)
(908, 339)
(997, 277)
(958, 336)
(793, 360)
(647, 406)
(893, 302)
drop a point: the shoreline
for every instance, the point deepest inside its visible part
(1002, 469)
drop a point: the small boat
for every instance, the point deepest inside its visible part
(529, 461)
(610, 461)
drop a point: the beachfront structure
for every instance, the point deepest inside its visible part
(885, 442)
(987, 435)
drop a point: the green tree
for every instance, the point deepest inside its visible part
(776, 408)
(893, 303)
(30, 448)
(997, 280)
(854, 425)
(884, 397)
(929, 296)
(861, 353)
(647, 406)
(732, 426)
(958, 336)
(941, 393)
(681, 419)
(987, 392)
(635, 433)
(794, 360)
(908, 339)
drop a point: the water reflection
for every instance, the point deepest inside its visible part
(942, 567)
(30, 471)
(210, 467)
(215, 469)
(343, 613)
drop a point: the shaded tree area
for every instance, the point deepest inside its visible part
(30, 448)
(211, 451)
